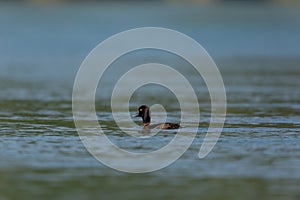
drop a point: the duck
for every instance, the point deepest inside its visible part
(144, 113)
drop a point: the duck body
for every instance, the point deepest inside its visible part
(166, 125)
(144, 113)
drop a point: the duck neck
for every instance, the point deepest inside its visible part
(146, 118)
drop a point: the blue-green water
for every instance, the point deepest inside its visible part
(257, 49)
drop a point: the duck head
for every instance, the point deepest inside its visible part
(144, 113)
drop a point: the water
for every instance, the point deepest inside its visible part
(256, 48)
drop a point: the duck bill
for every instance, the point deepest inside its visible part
(135, 115)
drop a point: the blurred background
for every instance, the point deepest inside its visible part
(255, 44)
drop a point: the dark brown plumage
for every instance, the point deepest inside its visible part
(144, 113)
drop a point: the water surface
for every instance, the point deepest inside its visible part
(257, 52)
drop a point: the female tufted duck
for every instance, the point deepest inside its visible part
(144, 113)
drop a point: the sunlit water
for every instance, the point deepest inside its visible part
(257, 155)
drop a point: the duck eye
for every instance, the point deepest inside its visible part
(141, 110)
